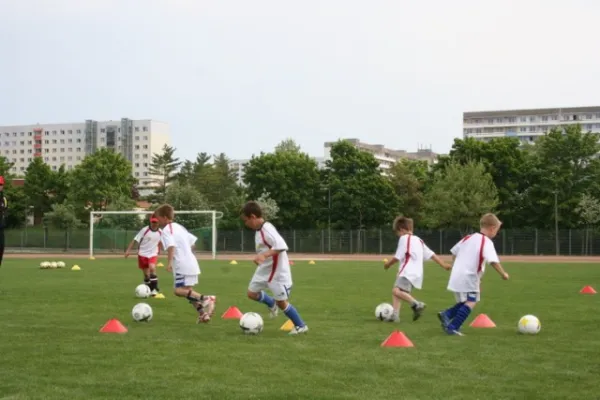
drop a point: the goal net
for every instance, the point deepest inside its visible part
(112, 231)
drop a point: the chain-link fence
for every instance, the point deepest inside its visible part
(378, 241)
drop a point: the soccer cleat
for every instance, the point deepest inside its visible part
(453, 332)
(202, 317)
(298, 330)
(444, 320)
(418, 310)
(395, 318)
(208, 305)
(153, 292)
(274, 311)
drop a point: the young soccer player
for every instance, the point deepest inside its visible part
(149, 243)
(469, 257)
(411, 253)
(182, 261)
(273, 267)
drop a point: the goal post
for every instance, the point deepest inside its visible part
(212, 213)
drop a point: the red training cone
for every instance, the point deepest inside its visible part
(113, 326)
(482, 321)
(397, 339)
(588, 290)
(232, 313)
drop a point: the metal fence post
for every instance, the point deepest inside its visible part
(535, 244)
(351, 234)
(294, 240)
(322, 241)
(242, 240)
(441, 241)
(569, 241)
(380, 242)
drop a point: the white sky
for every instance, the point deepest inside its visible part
(240, 76)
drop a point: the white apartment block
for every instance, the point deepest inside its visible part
(527, 125)
(68, 143)
(386, 156)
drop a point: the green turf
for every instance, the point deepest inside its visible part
(50, 346)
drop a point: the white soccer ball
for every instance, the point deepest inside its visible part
(53, 265)
(529, 325)
(142, 312)
(44, 265)
(60, 264)
(251, 323)
(384, 312)
(142, 291)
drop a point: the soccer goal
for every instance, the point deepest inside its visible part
(112, 231)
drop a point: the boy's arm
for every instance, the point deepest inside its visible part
(400, 253)
(500, 270)
(129, 248)
(277, 243)
(441, 262)
(391, 262)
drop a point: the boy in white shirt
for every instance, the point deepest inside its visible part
(273, 267)
(182, 261)
(469, 257)
(411, 253)
(149, 243)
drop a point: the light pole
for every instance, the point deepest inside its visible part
(556, 222)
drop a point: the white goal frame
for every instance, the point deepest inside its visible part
(214, 214)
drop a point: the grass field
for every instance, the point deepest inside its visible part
(50, 347)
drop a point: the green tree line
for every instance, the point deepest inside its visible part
(554, 181)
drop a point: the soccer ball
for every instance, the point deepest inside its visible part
(142, 291)
(251, 323)
(44, 265)
(384, 311)
(529, 325)
(53, 265)
(142, 312)
(60, 264)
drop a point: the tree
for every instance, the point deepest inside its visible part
(186, 197)
(268, 206)
(101, 178)
(564, 163)
(361, 197)
(505, 160)
(459, 196)
(287, 145)
(18, 211)
(37, 188)
(292, 180)
(122, 221)
(5, 168)
(589, 212)
(61, 184)
(163, 170)
(408, 178)
(63, 217)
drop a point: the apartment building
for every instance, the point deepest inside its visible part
(386, 156)
(68, 143)
(527, 124)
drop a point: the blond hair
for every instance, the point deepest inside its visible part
(489, 220)
(165, 211)
(403, 223)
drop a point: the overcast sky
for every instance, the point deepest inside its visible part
(240, 76)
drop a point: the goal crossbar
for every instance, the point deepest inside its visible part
(214, 216)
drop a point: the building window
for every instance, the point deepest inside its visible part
(145, 129)
(137, 146)
(102, 130)
(137, 138)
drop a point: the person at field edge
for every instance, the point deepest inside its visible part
(411, 253)
(182, 261)
(3, 208)
(469, 257)
(273, 267)
(149, 246)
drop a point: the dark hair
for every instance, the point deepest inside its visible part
(251, 208)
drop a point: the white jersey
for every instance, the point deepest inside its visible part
(148, 241)
(471, 253)
(276, 268)
(411, 253)
(184, 259)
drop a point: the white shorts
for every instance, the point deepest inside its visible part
(462, 297)
(403, 284)
(280, 290)
(185, 280)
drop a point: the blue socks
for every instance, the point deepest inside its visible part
(461, 316)
(266, 299)
(292, 314)
(451, 312)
